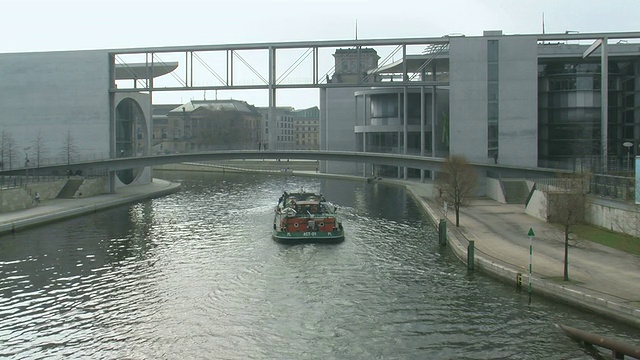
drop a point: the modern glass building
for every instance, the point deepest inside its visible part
(519, 100)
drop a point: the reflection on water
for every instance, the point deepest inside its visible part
(196, 275)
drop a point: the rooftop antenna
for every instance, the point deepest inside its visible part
(543, 23)
(356, 29)
(205, 95)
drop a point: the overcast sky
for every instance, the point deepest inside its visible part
(54, 25)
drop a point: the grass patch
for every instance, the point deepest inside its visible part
(608, 238)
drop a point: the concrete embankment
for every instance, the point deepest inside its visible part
(59, 209)
(607, 281)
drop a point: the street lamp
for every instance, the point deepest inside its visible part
(628, 145)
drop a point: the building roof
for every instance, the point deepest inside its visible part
(163, 109)
(545, 50)
(309, 113)
(414, 62)
(215, 105)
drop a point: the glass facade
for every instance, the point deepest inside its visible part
(130, 120)
(381, 126)
(569, 113)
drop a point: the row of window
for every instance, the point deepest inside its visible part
(492, 101)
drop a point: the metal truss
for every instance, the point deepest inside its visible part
(268, 65)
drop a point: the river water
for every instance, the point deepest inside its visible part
(195, 275)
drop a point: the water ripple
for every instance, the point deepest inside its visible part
(196, 275)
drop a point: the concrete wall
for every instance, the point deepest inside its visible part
(91, 187)
(537, 206)
(47, 190)
(494, 190)
(619, 217)
(21, 198)
(468, 86)
(624, 219)
(517, 99)
(337, 127)
(56, 93)
(15, 199)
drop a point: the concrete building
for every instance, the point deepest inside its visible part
(57, 108)
(337, 104)
(306, 128)
(278, 133)
(516, 100)
(206, 125)
(505, 99)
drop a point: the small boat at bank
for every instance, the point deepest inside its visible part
(302, 217)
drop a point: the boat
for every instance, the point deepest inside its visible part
(305, 217)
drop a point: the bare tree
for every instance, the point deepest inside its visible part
(566, 206)
(8, 150)
(456, 183)
(69, 148)
(39, 147)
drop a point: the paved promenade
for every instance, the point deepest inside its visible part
(57, 209)
(602, 279)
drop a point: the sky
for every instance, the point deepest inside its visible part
(61, 25)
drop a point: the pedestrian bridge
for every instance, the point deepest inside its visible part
(410, 161)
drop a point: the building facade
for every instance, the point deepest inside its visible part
(57, 108)
(278, 133)
(514, 100)
(207, 125)
(504, 99)
(306, 128)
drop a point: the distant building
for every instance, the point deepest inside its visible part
(204, 125)
(353, 65)
(278, 133)
(161, 127)
(306, 128)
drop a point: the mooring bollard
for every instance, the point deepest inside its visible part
(470, 255)
(519, 280)
(442, 232)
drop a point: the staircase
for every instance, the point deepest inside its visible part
(515, 191)
(69, 189)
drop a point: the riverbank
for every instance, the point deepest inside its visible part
(602, 280)
(59, 209)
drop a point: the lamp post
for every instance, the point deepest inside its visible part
(628, 145)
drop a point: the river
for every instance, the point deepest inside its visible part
(196, 275)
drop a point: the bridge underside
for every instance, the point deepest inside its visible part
(409, 161)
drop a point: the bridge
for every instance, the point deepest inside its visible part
(411, 161)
